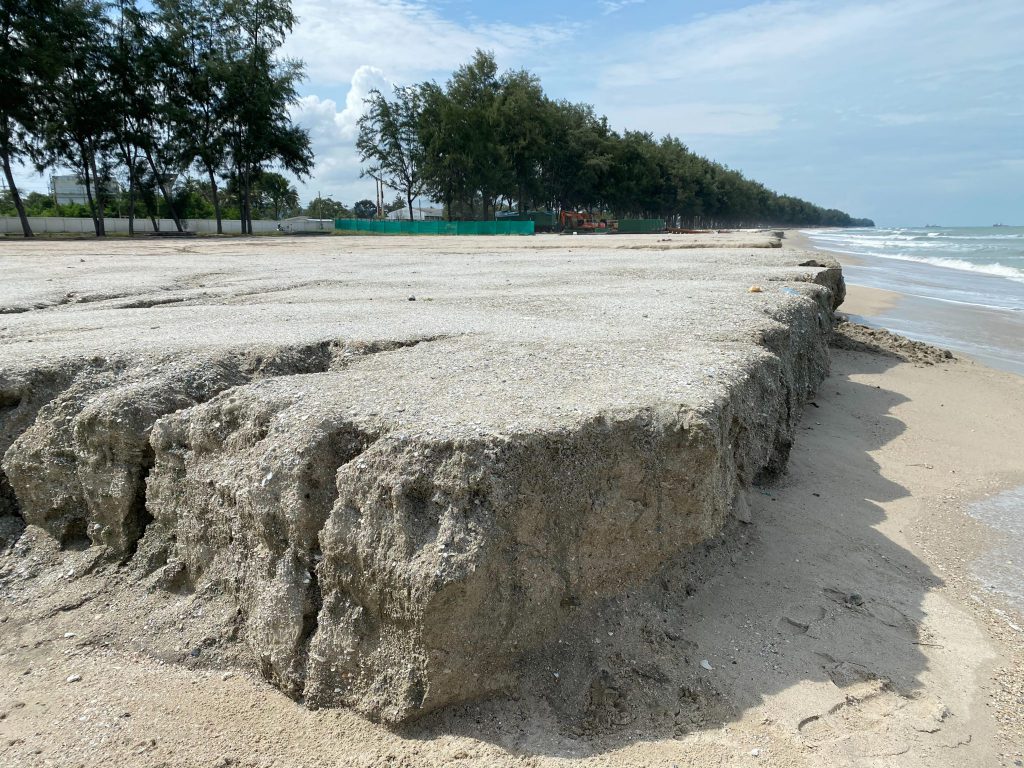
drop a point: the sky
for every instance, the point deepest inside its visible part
(905, 111)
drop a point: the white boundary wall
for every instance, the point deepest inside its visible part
(63, 224)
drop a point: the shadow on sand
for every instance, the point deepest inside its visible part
(809, 591)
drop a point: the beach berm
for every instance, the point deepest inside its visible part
(401, 498)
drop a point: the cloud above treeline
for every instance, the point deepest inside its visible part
(855, 105)
(787, 91)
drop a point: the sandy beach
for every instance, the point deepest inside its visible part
(841, 626)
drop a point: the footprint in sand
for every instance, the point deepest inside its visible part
(893, 617)
(880, 610)
(798, 618)
(844, 673)
(866, 705)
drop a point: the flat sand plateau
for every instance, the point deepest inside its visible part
(841, 625)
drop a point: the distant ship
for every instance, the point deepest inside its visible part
(1000, 225)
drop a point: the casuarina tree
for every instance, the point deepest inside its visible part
(390, 142)
(31, 53)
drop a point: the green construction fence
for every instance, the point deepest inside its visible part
(403, 227)
(641, 226)
(543, 221)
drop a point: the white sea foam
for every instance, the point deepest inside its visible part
(965, 268)
(997, 269)
(979, 237)
(966, 254)
(1003, 569)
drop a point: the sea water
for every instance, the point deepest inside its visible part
(1002, 568)
(963, 287)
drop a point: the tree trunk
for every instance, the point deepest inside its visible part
(131, 208)
(243, 201)
(88, 194)
(101, 213)
(131, 212)
(25, 226)
(216, 199)
(248, 201)
(243, 223)
(131, 198)
(240, 183)
(130, 159)
(151, 203)
(163, 190)
(408, 196)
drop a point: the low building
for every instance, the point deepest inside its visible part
(305, 224)
(69, 190)
(419, 213)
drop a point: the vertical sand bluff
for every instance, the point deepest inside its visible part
(408, 462)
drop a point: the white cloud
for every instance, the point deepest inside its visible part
(362, 45)
(408, 39)
(613, 6)
(794, 42)
(333, 132)
(322, 117)
(807, 64)
(745, 42)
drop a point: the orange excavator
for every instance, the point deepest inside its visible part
(577, 221)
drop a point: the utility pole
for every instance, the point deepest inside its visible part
(320, 209)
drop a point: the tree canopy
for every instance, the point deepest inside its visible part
(140, 93)
(487, 140)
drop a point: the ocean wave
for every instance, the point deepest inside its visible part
(996, 269)
(981, 237)
(958, 248)
(884, 242)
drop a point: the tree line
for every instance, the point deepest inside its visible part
(272, 196)
(487, 141)
(143, 93)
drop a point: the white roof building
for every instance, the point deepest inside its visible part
(69, 189)
(419, 213)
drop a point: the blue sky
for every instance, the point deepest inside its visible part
(908, 111)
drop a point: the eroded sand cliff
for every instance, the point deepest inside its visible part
(407, 462)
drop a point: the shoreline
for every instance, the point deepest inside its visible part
(871, 306)
(840, 626)
(984, 542)
(923, 309)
